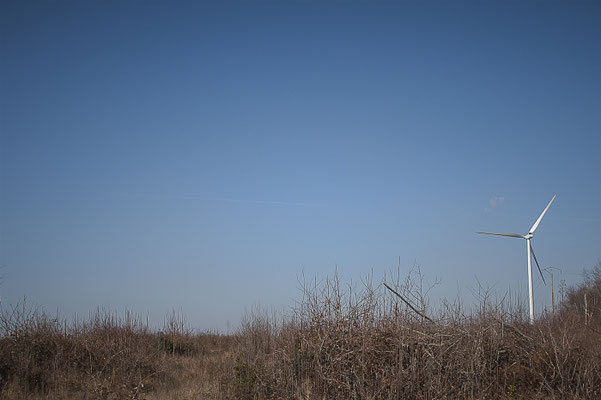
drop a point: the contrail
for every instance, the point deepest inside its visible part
(273, 202)
(213, 198)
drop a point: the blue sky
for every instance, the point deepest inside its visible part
(201, 156)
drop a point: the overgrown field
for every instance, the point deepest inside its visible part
(339, 342)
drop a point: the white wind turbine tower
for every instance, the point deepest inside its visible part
(528, 236)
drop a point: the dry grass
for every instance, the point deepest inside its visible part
(340, 342)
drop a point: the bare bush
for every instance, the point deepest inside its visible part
(366, 343)
(340, 341)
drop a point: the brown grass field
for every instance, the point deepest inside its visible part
(339, 342)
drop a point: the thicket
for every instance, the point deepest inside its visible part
(339, 342)
(367, 343)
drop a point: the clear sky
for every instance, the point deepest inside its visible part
(202, 156)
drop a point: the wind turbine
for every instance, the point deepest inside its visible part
(531, 254)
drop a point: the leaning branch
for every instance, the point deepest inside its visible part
(407, 302)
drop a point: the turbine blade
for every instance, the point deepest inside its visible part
(538, 266)
(515, 235)
(541, 216)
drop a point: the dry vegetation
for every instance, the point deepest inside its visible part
(340, 342)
